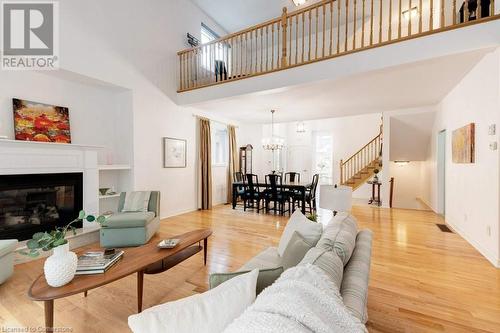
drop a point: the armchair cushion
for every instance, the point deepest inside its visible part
(129, 220)
(153, 206)
(137, 201)
(7, 246)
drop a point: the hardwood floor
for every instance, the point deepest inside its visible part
(422, 279)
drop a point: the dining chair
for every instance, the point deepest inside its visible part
(252, 192)
(274, 193)
(292, 177)
(240, 190)
(310, 196)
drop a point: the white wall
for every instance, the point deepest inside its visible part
(252, 134)
(409, 184)
(472, 190)
(133, 44)
(96, 117)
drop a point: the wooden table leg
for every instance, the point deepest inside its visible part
(303, 195)
(205, 245)
(49, 315)
(85, 293)
(140, 288)
(235, 195)
(378, 194)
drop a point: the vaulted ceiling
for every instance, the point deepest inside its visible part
(235, 15)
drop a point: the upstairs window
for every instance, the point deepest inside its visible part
(207, 34)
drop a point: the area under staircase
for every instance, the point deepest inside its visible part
(360, 167)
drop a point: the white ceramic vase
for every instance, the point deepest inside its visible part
(60, 267)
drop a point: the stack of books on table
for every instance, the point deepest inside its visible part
(96, 262)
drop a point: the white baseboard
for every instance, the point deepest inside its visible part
(427, 203)
(178, 213)
(495, 261)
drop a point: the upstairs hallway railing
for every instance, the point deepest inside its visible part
(322, 31)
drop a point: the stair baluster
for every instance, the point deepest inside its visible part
(359, 167)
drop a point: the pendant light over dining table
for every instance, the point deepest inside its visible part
(273, 142)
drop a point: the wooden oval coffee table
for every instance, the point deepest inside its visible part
(145, 259)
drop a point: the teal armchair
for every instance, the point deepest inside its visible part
(125, 229)
(7, 248)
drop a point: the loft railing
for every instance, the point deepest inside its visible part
(321, 31)
(363, 158)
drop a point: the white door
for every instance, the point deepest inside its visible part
(299, 160)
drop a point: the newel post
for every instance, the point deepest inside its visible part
(284, 25)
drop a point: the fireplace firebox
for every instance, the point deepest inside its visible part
(38, 202)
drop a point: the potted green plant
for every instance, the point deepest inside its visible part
(312, 217)
(60, 267)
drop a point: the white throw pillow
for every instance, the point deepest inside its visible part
(137, 201)
(210, 312)
(310, 231)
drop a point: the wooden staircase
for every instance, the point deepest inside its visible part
(358, 168)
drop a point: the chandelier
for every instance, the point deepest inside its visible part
(273, 142)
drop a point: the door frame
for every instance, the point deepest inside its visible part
(441, 172)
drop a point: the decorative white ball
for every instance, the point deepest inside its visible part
(60, 267)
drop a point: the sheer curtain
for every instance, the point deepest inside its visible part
(233, 162)
(205, 164)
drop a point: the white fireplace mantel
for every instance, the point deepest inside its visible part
(27, 157)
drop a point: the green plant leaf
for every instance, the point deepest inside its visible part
(32, 244)
(59, 242)
(33, 253)
(73, 229)
(101, 219)
(81, 215)
(90, 218)
(59, 235)
(38, 235)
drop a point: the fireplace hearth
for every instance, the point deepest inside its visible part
(33, 203)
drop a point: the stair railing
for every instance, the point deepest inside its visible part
(363, 158)
(323, 30)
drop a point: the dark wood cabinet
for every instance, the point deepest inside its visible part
(246, 159)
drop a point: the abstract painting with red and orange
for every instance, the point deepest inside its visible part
(41, 122)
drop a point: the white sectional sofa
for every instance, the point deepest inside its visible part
(323, 287)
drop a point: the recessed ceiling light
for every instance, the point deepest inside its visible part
(299, 2)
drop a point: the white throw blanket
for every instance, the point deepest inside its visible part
(303, 299)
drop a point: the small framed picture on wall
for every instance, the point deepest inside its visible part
(174, 153)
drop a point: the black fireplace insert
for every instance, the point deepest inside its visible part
(38, 202)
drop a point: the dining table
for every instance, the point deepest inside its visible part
(300, 188)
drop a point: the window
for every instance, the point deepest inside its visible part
(207, 34)
(220, 144)
(323, 156)
(219, 52)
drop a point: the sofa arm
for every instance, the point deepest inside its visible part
(354, 287)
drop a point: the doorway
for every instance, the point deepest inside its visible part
(441, 173)
(299, 160)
